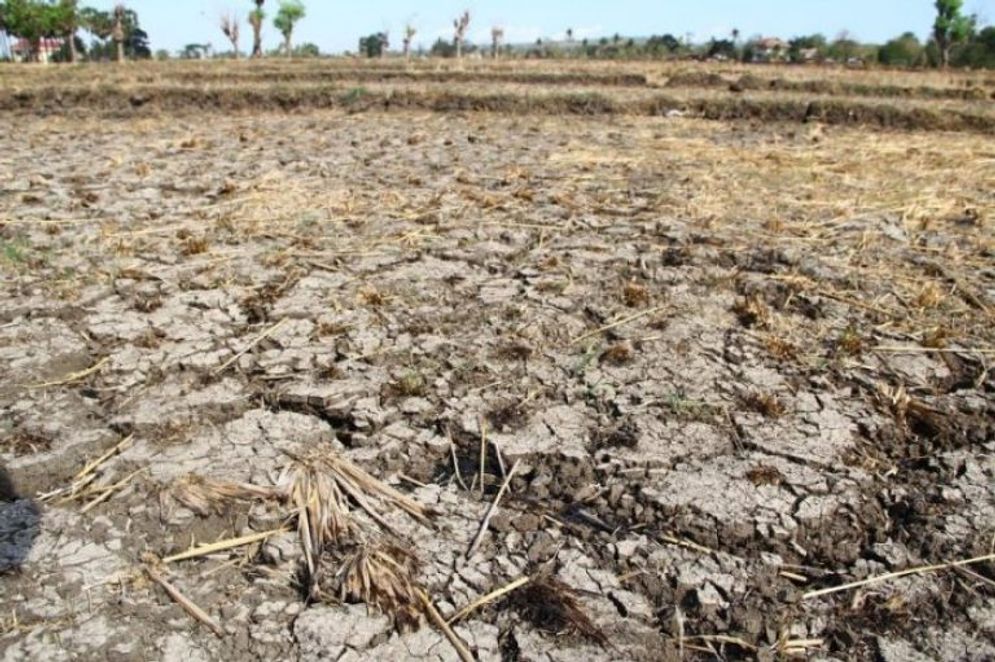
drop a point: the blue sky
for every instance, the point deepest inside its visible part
(336, 25)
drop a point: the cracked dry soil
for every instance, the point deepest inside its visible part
(683, 331)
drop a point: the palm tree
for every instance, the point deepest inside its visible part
(118, 32)
(460, 24)
(229, 25)
(497, 34)
(409, 34)
(256, 18)
(287, 16)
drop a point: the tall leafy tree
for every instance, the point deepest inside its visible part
(951, 27)
(98, 23)
(29, 20)
(287, 16)
(903, 51)
(256, 18)
(103, 25)
(979, 51)
(65, 20)
(373, 45)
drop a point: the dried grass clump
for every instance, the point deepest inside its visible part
(752, 311)
(25, 443)
(911, 413)
(408, 385)
(322, 512)
(930, 295)
(508, 416)
(936, 337)
(321, 487)
(372, 297)
(635, 295)
(780, 348)
(513, 351)
(194, 246)
(205, 496)
(765, 475)
(382, 575)
(850, 342)
(618, 354)
(767, 404)
(553, 607)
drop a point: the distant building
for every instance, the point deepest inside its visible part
(20, 51)
(809, 55)
(770, 49)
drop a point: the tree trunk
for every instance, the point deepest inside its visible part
(287, 46)
(71, 39)
(118, 32)
(945, 56)
(459, 49)
(257, 40)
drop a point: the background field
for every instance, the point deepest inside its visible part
(733, 324)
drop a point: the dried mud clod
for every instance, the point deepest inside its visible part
(554, 607)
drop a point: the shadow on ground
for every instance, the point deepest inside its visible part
(19, 523)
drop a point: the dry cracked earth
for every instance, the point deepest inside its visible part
(709, 410)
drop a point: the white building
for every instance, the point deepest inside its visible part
(20, 51)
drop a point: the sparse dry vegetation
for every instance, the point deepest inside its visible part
(682, 366)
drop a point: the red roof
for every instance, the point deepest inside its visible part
(47, 44)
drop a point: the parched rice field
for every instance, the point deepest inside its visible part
(508, 362)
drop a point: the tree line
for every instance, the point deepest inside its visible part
(116, 34)
(956, 39)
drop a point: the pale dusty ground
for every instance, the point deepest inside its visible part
(736, 438)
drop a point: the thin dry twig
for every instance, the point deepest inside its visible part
(486, 599)
(688, 544)
(261, 337)
(895, 575)
(108, 490)
(490, 511)
(86, 475)
(73, 376)
(616, 324)
(222, 545)
(456, 471)
(483, 453)
(185, 602)
(92, 466)
(433, 613)
(933, 350)
(723, 639)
